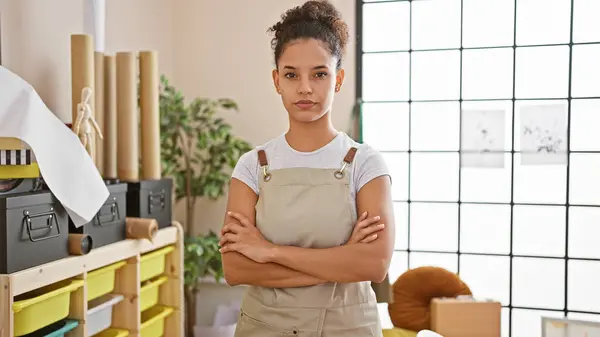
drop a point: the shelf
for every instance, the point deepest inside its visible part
(127, 314)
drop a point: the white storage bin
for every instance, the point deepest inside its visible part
(100, 310)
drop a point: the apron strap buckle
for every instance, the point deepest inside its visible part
(347, 161)
(266, 174)
(264, 164)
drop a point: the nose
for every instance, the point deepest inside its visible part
(304, 87)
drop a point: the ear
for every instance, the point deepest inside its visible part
(276, 80)
(339, 79)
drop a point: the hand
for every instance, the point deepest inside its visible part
(246, 239)
(365, 229)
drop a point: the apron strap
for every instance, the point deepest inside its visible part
(264, 164)
(347, 161)
(262, 158)
(350, 155)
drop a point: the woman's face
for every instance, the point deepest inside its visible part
(307, 79)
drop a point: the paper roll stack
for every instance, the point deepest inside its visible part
(114, 104)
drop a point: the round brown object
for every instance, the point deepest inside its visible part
(141, 228)
(414, 290)
(79, 244)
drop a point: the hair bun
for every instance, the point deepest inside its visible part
(298, 21)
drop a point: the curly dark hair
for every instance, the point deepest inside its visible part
(317, 19)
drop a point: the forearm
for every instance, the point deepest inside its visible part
(348, 263)
(241, 270)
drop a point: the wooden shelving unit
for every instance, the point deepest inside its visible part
(126, 313)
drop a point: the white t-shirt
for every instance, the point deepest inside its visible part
(368, 163)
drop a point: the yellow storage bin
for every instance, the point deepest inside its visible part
(153, 321)
(397, 332)
(44, 306)
(153, 264)
(19, 171)
(102, 281)
(149, 292)
(112, 333)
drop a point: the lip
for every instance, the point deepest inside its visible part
(305, 104)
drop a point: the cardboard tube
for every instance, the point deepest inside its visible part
(149, 112)
(127, 125)
(80, 244)
(141, 228)
(110, 117)
(82, 74)
(99, 108)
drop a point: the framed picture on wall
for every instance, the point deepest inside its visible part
(565, 327)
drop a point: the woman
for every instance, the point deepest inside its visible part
(309, 221)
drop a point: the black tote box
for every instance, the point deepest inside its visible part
(151, 199)
(108, 226)
(34, 230)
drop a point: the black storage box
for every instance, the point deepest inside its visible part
(108, 226)
(34, 230)
(151, 199)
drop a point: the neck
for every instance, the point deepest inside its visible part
(308, 137)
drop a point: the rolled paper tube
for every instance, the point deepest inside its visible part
(127, 125)
(141, 228)
(80, 244)
(99, 108)
(82, 74)
(149, 112)
(110, 117)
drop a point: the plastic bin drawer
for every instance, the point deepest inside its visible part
(153, 321)
(99, 315)
(44, 306)
(102, 281)
(112, 333)
(153, 263)
(150, 291)
(58, 329)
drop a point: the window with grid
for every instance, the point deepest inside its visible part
(519, 222)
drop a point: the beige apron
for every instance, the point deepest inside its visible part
(309, 208)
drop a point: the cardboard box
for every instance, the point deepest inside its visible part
(465, 317)
(10, 143)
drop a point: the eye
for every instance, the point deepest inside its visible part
(290, 75)
(321, 74)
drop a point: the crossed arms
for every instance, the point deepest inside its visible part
(288, 266)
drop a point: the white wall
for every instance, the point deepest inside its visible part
(207, 48)
(36, 40)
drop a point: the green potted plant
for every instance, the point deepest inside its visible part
(199, 152)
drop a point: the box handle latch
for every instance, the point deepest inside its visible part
(49, 224)
(156, 202)
(113, 213)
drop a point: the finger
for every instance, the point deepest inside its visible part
(370, 230)
(369, 238)
(368, 222)
(231, 227)
(363, 216)
(232, 247)
(241, 218)
(228, 238)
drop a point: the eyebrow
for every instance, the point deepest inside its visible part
(317, 67)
